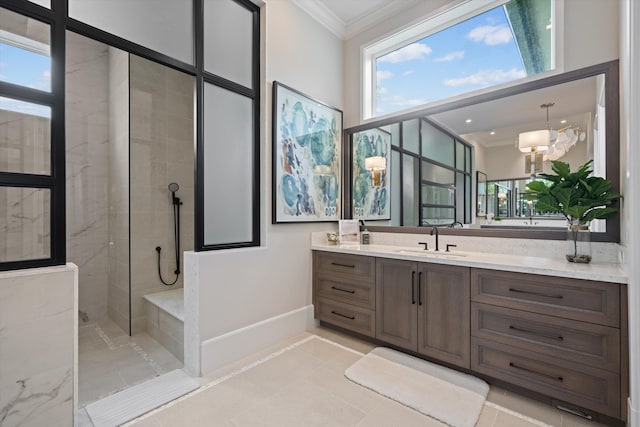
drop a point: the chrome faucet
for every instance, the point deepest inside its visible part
(435, 230)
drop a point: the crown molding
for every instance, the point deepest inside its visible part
(321, 13)
(345, 30)
(376, 16)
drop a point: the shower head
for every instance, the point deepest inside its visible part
(173, 187)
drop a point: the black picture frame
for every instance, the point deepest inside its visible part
(306, 158)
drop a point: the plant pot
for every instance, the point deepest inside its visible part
(579, 244)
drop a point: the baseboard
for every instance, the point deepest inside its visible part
(230, 347)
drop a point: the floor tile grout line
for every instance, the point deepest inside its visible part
(517, 415)
(328, 341)
(223, 379)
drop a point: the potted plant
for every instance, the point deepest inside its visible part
(579, 197)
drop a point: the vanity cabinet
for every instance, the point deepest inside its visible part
(344, 291)
(560, 337)
(557, 336)
(424, 307)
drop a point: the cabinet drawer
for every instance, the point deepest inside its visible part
(353, 267)
(350, 292)
(584, 300)
(588, 387)
(346, 316)
(593, 345)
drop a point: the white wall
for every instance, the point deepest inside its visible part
(630, 179)
(240, 288)
(590, 37)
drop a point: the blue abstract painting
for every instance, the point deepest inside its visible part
(370, 174)
(307, 141)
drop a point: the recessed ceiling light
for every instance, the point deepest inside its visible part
(493, 132)
(468, 121)
(563, 121)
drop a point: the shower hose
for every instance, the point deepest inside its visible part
(176, 235)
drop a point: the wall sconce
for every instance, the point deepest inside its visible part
(376, 165)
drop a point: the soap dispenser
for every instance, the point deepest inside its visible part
(365, 235)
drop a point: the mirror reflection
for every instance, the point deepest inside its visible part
(442, 156)
(509, 206)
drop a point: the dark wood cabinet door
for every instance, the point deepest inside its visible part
(444, 313)
(396, 302)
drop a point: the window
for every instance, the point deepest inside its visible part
(459, 51)
(229, 150)
(195, 40)
(31, 165)
(433, 176)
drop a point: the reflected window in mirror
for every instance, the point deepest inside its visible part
(481, 194)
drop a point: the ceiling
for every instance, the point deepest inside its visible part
(574, 102)
(346, 18)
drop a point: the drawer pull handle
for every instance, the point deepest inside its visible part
(343, 315)
(413, 287)
(539, 294)
(542, 374)
(343, 265)
(539, 333)
(349, 291)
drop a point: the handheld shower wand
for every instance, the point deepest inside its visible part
(173, 188)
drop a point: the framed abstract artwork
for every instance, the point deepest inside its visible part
(371, 154)
(307, 150)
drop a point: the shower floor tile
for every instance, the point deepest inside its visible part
(109, 360)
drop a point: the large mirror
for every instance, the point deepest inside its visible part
(458, 141)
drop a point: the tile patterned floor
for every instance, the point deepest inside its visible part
(109, 360)
(302, 384)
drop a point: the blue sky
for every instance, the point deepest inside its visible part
(473, 54)
(25, 68)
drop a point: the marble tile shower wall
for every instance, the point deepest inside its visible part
(24, 213)
(38, 324)
(87, 153)
(161, 102)
(119, 188)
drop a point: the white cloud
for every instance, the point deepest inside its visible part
(43, 82)
(24, 107)
(407, 53)
(407, 73)
(459, 54)
(486, 78)
(383, 75)
(491, 34)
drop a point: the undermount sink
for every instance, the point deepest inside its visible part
(424, 253)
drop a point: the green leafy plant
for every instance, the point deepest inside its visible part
(578, 196)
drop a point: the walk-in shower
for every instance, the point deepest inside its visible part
(129, 132)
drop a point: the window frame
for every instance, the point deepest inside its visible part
(55, 181)
(60, 21)
(440, 19)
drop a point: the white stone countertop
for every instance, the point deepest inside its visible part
(605, 272)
